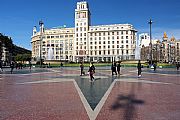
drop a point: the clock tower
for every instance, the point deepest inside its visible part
(82, 23)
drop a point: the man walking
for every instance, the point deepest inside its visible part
(91, 72)
(139, 68)
(119, 68)
(113, 68)
(82, 69)
(1, 65)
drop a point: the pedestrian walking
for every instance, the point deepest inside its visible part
(119, 68)
(82, 69)
(113, 69)
(154, 65)
(177, 65)
(139, 68)
(1, 65)
(12, 66)
(91, 72)
(30, 65)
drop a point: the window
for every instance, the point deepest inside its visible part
(57, 36)
(126, 41)
(127, 51)
(121, 32)
(99, 52)
(108, 52)
(126, 32)
(99, 47)
(126, 37)
(117, 42)
(112, 42)
(117, 37)
(52, 36)
(108, 42)
(117, 51)
(104, 42)
(108, 46)
(112, 33)
(122, 37)
(99, 42)
(95, 43)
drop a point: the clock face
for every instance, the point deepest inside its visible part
(81, 20)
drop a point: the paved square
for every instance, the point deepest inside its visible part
(61, 94)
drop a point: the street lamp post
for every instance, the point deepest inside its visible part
(150, 23)
(41, 31)
(122, 52)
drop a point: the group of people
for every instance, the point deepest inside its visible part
(116, 68)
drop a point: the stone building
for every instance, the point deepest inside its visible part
(85, 42)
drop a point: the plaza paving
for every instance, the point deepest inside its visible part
(61, 94)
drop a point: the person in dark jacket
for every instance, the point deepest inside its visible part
(119, 68)
(82, 69)
(139, 68)
(113, 68)
(12, 66)
(1, 65)
(91, 72)
(154, 65)
(177, 65)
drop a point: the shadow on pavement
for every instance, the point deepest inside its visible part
(128, 104)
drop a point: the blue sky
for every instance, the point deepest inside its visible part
(18, 17)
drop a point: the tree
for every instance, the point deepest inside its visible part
(23, 57)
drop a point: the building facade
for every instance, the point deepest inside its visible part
(85, 42)
(167, 50)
